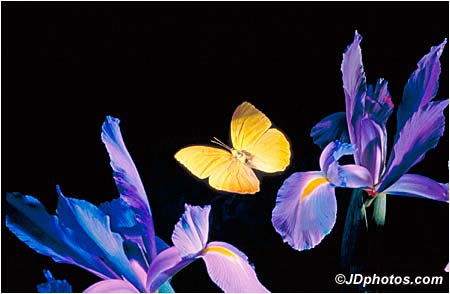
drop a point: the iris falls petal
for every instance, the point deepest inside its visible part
(229, 268)
(305, 210)
(112, 286)
(419, 186)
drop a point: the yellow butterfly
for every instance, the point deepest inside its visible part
(255, 146)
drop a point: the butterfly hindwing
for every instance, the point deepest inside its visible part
(271, 153)
(235, 177)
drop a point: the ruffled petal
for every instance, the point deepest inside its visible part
(128, 181)
(354, 82)
(422, 85)
(420, 134)
(164, 267)
(333, 152)
(378, 102)
(419, 186)
(230, 270)
(305, 210)
(191, 232)
(331, 128)
(112, 286)
(54, 286)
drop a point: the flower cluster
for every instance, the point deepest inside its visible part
(305, 210)
(116, 241)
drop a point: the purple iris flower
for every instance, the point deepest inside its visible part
(116, 240)
(303, 221)
(305, 209)
(226, 265)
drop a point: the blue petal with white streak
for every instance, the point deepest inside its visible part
(128, 181)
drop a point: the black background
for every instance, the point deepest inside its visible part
(173, 73)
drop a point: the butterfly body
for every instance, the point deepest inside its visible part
(243, 156)
(255, 146)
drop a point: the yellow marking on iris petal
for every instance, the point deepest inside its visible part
(311, 186)
(219, 249)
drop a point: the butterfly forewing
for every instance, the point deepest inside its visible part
(202, 161)
(248, 124)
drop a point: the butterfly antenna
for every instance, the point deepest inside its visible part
(220, 143)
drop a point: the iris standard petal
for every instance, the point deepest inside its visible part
(191, 232)
(229, 268)
(419, 186)
(112, 286)
(354, 83)
(373, 147)
(305, 210)
(54, 286)
(331, 128)
(164, 267)
(128, 181)
(420, 134)
(422, 85)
